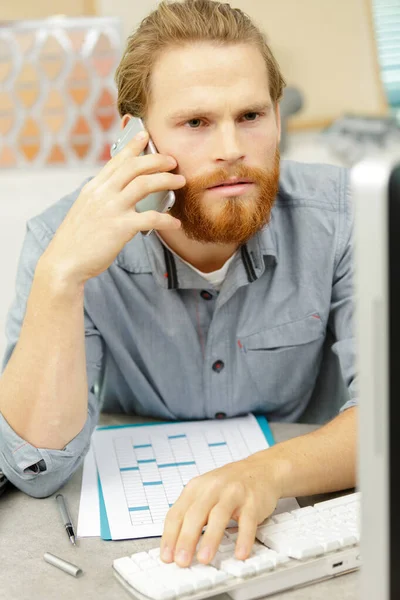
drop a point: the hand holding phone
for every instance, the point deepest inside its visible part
(159, 201)
(104, 217)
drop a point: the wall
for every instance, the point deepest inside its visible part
(131, 12)
(325, 47)
(37, 9)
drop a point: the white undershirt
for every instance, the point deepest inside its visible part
(216, 278)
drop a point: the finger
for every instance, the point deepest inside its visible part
(144, 185)
(195, 519)
(175, 515)
(132, 149)
(172, 527)
(141, 165)
(218, 520)
(151, 219)
(247, 533)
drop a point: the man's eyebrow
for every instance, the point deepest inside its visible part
(198, 111)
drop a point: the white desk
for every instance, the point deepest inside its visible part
(30, 527)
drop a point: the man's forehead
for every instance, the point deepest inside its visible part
(199, 74)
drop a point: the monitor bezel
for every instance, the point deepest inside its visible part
(394, 378)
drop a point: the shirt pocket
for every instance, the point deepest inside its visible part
(284, 360)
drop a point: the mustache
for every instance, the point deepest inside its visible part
(211, 179)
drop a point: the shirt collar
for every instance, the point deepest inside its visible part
(147, 254)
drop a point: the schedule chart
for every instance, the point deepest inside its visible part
(143, 469)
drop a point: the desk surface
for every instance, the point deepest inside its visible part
(29, 527)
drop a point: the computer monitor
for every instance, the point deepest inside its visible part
(376, 194)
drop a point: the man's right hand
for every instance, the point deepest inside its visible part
(103, 218)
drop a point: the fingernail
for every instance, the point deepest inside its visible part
(182, 556)
(141, 135)
(204, 554)
(166, 554)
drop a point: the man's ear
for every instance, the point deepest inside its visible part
(278, 121)
(125, 120)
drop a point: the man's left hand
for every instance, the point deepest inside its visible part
(246, 491)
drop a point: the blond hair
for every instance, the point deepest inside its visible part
(175, 24)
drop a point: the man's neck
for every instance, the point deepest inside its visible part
(204, 257)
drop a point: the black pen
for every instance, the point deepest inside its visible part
(66, 518)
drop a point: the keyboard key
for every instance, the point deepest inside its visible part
(261, 562)
(294, 547)
(238, 568)
(335, 502)
(130, 572)
(203, 579)
(152, 587)
(298, 513)
(148, 565)
(139, 557)
(125, 566)
(282, 517)
(271, 529)
(178, 579)
(226, 544)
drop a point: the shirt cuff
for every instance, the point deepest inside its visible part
(349, 404)
(20, 461)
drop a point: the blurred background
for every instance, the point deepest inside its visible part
(340, 58)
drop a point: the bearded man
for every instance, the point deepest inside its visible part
(223, 310)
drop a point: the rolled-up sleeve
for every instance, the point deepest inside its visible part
(341, 319)
(40, 471)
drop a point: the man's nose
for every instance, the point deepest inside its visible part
(227, 146)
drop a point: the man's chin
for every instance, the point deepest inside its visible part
(219, 239)
(217, 229)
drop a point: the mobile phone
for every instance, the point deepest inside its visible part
(159, 201)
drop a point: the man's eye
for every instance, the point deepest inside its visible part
(251, 116)
(194, 123)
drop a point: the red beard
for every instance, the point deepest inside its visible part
(239, 217)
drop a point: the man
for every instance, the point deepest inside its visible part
(224, 311)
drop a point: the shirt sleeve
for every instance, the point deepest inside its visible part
(39, 471)
(341, 320)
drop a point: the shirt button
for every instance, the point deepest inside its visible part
(205, 295)
(218, 366)
(220, 415)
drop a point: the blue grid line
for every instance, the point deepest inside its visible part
(217, 444)
(136, 508)
(142, 446)
(152, 482)
(129, 469)
(147, 460)
(177, 464)
(174, 437)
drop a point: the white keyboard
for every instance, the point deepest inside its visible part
(303, 546)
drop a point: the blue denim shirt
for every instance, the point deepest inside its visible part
(160, 341)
